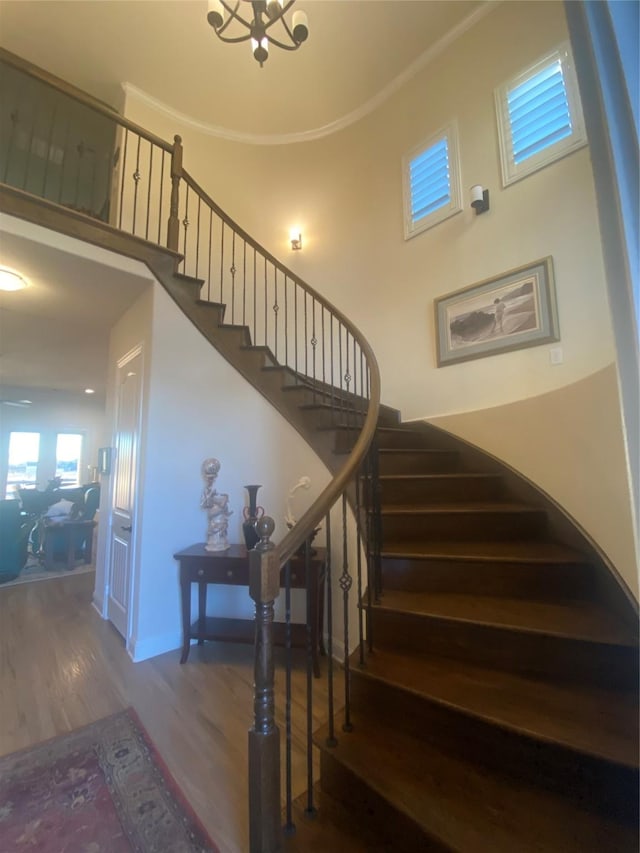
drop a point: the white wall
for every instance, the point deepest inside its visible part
(196, 406)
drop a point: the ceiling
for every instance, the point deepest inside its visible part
(55, 334)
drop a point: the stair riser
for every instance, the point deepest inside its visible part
(369, 807)
(484, 526)
(540, 582)
(526, 653)
(596, 783)
(402, 439)
(440, 489)
(345, 439)
(430, 462)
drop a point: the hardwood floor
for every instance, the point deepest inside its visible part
(62, 666)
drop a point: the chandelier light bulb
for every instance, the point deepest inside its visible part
(215, 16)
(260, 49)
(300, 27)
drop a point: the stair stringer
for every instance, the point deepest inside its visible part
(256, 365)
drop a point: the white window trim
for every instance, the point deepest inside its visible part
(411, 228)
(512, 172)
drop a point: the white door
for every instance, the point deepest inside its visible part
(124, 474)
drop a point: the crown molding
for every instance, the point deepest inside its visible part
(325, 130)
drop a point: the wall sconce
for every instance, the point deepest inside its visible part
(295, 235)
(479, 199)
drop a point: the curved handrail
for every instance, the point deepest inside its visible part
(323, 503)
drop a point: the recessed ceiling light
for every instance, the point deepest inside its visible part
(12, 280)
(89, 391)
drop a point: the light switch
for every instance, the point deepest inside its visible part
(556, 356)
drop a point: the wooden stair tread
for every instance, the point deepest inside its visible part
(578, 620)
(466, 806)
(476, 507)
(597, 722)
(531, 551)
(453, 475)
(331, 828)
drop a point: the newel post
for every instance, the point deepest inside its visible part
(173, 229)
(265, 828)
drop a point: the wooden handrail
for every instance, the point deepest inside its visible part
(318, 510)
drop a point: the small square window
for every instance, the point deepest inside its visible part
(431, 182)
(539, 116)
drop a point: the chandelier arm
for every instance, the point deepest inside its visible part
(280, 44)
(233, 16)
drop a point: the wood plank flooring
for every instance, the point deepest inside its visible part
(62, 666)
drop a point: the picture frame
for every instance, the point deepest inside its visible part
(514, 310)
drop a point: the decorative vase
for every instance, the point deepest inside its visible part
(251, 513)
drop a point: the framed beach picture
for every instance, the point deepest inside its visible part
(514, 310)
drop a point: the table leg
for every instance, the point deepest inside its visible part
(202, 610)
(185, 595)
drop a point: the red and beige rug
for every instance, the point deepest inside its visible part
(100, 789)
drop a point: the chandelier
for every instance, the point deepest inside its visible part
(267, 14)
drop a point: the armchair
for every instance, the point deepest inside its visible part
(15, 527)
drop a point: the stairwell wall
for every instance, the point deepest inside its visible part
(345, 191)
(196, 406)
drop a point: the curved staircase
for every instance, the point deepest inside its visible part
(498, 710)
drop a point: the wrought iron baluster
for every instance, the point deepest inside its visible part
(149, 184)
(64, 161)
(306, 338)
(331, 738)
(310, 809)
(332, 379)
(244, 283)
(221, 259)
(289, 827)
(254, 336)
(209, 256)
(122, 174)
(185, 225)
(346, 582)
(314, 344)
(197, 239)
(359, 569)
(162, 179)
(286, 321)
(232, 270)
(276, 310)
(136, 180)
(324, 351)
(266, 310)
(368, 512)
(295, 326)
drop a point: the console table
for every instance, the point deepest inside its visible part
(232, 567)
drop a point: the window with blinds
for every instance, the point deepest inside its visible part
(431, 182)
(539, 116)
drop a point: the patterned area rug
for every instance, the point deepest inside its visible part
(100, 789)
